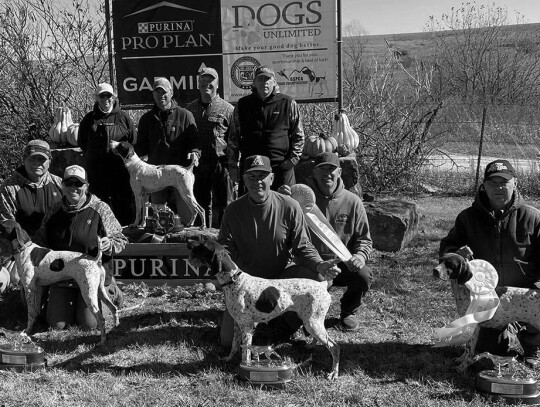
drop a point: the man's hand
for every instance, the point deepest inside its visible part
(105, 244)
(285, 190)
(356, 263)
(328, 269)
(194, 157)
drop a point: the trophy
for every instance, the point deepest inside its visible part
(160, 219)
(263, 366)
(509, 381)
(20, 353)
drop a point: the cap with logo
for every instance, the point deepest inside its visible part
(263, 71)
(327, 158)
(104, 88)
(499, 168)
(257, 163)
(75, 171)
(37, 147)
(162, 83)
(209, 71)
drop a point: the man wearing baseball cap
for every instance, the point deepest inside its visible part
(502, 229)
(262, 230)
(213, 187)
(267, 122)
(168, 134)
(107, 174)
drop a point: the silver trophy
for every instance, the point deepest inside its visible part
(20, 353)
(262, 365)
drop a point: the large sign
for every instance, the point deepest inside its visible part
(177, 38)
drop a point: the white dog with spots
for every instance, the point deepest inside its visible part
(250, 299)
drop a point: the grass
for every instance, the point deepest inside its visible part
(165, 352)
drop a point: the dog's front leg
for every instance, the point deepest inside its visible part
(33, 295)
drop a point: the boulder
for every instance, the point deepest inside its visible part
(64, 157)
(392, 223)
(349, 173)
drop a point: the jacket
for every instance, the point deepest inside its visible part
(27, 202)
(510, 242)
(347, 215)
(168, 136)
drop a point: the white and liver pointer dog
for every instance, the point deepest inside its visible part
(516, 304)
(38, 266)
(250, 299)
(146, 178)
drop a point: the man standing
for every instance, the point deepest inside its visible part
(346, 214)
(168, 134)
(213, 116)
(267, 123)
(263, 230)
(502, 229)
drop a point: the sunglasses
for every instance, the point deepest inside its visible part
(105, 96)
(73, 183)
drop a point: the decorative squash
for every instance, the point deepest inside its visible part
(319, 144)
(73, 134)
(60, 128)
(54, 131)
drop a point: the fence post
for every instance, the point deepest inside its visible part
(484, 112)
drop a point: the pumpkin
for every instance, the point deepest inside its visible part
(73, 134)
(315, 145)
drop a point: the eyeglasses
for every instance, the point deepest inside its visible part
(73, 183)
(105, 96)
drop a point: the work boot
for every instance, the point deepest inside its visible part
(349, 323)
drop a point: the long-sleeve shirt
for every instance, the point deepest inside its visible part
(262, 238)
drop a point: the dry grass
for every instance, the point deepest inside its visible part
(165, 352)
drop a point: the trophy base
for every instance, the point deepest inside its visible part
(523, 399)
(266, 373)
(505, 383)
(26, 354)
(32, 367)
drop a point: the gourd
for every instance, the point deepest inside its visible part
(346, 137)
(73, 134)
(322, 143)
(58, 132)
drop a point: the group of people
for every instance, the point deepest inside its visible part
(249, 150)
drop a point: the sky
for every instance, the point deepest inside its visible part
(409, 16)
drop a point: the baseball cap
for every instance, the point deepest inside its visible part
(162, 83)
(209, 71)
(257, 163)
(263, 71)
(499, 168)
(37, 147)
(104, 87)
(75, 171)
(327, 158)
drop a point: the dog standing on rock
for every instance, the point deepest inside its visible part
(147, 178)
(250, 299)
(39, 266)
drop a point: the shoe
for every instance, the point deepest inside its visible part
(532, 359)
(349, 323)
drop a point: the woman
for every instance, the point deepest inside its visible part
(75, 223)
(107, 175)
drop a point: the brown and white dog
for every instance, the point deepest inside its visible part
(516, 304)
(146, 178)
(250, 299)
(39, 266)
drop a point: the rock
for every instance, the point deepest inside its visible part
(349, 173)
(64, 157)
(392, 223)
(210, 287)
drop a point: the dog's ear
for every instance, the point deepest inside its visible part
(13, 231)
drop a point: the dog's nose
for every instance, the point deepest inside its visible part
(440, 272)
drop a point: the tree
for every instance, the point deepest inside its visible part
(481, 59)
(49, 57)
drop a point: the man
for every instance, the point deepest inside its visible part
(268, 123)
(168, 134)
(29, 192)
(107, 174)
(501, 229)
(346, 214)
(213, 116)
(263, 230)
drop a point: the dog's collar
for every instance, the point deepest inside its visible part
(234, 278)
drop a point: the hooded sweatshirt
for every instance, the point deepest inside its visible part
(509, 241)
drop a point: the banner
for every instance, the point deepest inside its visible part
(177, 38)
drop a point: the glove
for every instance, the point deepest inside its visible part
(286, 165)
(356, 263)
